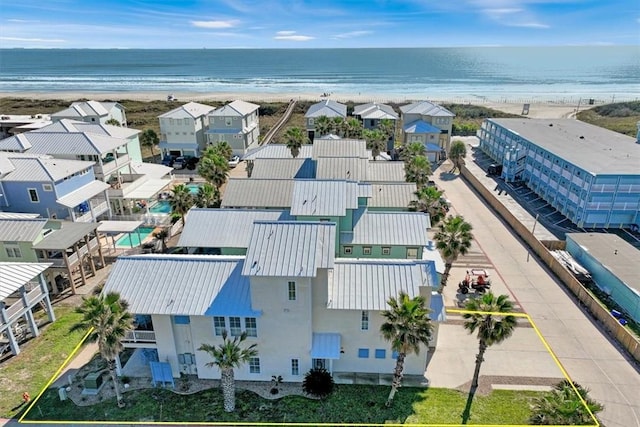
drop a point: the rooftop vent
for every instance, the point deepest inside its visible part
(581, 137)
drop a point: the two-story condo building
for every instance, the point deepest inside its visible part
(183, 130)
(372, 114)
(237, 123)
(429, 124)
(93, 112)
(327, 108)
(588, 173)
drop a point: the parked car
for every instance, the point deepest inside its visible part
(180, 163)
(192, 162)
(234, 161)
(168, 160)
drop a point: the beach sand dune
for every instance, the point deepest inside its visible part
(540, 109)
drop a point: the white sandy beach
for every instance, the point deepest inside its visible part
(540, 109)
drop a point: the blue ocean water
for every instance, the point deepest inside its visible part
(601, 72)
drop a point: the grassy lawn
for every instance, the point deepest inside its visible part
(350, 404)
(39, 359)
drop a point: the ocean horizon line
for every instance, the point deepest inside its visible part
(602, 45)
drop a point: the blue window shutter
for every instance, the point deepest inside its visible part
(394, 355)
(381, 353)
(181, 320)
(363, 353)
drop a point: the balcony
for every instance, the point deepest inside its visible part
(111, 164)
(136, 337)
(58, 260)
(98, 207)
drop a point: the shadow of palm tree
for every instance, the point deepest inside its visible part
(448, 176)
(466, 414)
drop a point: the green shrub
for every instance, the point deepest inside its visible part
(318, 382)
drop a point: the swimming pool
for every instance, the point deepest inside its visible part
(133, 239)
(193, 189)
(161, 206)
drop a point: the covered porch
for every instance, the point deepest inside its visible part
(22, 287)
(72, 247)
(88, 202)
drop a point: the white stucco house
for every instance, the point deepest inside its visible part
(238, 124)
(183, 130)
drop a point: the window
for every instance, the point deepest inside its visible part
(228, 121)
(251, 326)
(33, 195)
(219, 325)
(386, 250)
(47, 187)
(292, 291)
(254, 365)
(181, 320)
(363, 353)
(235, 327)
(295, 367)
(412, 253)
(366, 250)
(364, 321)
(348, 250)
(381, 353)
(13, 252)
(187, 359)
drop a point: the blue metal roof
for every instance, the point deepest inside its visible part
(420, 126)
(433, 147)
(325, 346)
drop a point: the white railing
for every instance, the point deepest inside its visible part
(18, 308)
(112, 166)
(140, 336)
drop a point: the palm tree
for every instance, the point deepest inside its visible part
(407, 326)
(337, 126)
(295, 137)
(181, 201)
(453, 239)
(214, 168)
(353, 128)
(149, 138)
(418, 170)
(323, 126)
(563, 406)
(222, 149)
(162, 235)
(413, 150)
(457, 153)
(208, 196)
(429, 199)
(491, 328)
(109, 320)
(226, 357)
(376, 141)
(388, 128)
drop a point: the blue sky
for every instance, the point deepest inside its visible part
(316, 24)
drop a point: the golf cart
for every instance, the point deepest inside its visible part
(476, 279)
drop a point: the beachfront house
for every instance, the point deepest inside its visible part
(237, 123)
(371, 114)
(430, 124)
(71, 249)
(13, 124)
(51, 188)
(93, 112)
(327, 108)
(182, 130)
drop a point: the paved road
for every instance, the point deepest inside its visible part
(588, 355)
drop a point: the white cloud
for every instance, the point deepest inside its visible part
(352, 34)
(21, 21)
(292, 36)
(230, 23)
(34, 40)
(528, 25)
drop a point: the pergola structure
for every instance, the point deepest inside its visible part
(22, 287)
(67, 248)
(113, 228)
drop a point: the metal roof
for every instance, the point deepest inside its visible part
(365, 190)
(224, 228)
(276, 151)
(431, 253)
(14, 275)
(236, 108)
(325, 346)
(393, 195)
(191, 110)
(373, 110)
(82, 194)
(389, 228)
(330, 147)
(360, 284)
(67, 125)
(290, 248)
(119, 226)
(594, 149)
(381, 171)
(284, 168)
(18, 142)
(323, 197)
(85, 108)
(349, 168)
(420, 126)
(614, 253)
(21, 229)
(17, 215)
(197, 285)
(68, 234)
(438, 310)
(72, 143)
(426, 108)
(327, 108)
(148, 189)
(151, 170)
(257, 193)
(44, 168)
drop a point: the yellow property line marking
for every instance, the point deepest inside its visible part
(452, 311)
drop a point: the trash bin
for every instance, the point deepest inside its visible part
(616, 314)
(622, 321)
